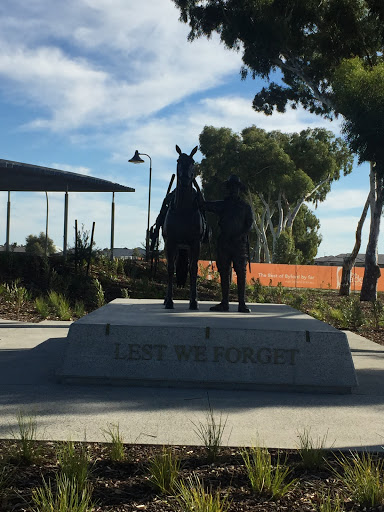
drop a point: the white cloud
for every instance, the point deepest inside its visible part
(342, 200)
(79, 88)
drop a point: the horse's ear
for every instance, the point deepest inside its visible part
(178, 149)
(194, 150)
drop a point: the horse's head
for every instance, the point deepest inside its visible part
(185, 167)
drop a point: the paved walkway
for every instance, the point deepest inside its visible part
(30, 354)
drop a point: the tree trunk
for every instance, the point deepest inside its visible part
(349, 261)
(372, 269)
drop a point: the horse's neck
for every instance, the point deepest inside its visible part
(184, 197)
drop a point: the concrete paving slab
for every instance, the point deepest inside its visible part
(31, 353)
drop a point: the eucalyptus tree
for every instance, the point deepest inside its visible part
(329, 54)
(281, 172)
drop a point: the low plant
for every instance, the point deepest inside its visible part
(211, 433)
(311, 450)
(60, 305)
(99, 293)
(164, 470)
(377, 314)
(265, 478)
(124, 293)
(74, 463)
(353, 313)
(113, 436)
(27, 430)
(327, 503)
(79, 309)
(363, 476)
(67, 496)
(6, 477)
(193, 497)
(42, 307)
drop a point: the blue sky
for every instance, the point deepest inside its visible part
(84, 83)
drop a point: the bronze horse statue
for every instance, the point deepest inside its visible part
(184, 226)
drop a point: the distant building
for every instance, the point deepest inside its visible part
(337, 261)
(126, 254)
(13, 248)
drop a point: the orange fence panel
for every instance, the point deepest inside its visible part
(297, 276)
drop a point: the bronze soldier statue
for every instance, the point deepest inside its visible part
(235, 221)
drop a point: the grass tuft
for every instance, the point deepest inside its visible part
(211, 433)
(65, 496)
(74, 463)
(27, 429)
(192, 497)
(263, 477)
(113, 436)
(164, 470)
(311, 450)
(363, 476)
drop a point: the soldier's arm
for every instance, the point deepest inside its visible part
(214, 206)
(163, 212)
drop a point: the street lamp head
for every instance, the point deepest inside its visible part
(136, 158)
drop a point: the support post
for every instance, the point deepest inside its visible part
(112, 225)
(65, 225)
(46, 226)
(8, 221)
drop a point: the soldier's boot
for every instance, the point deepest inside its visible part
(224, 304)
(243, 308)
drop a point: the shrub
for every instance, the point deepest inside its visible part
(263, 477)
(164, 470)
(192, 497)
(363, 476)
(67, 497)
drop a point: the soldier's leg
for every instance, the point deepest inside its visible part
(224, 268)
(240, 266)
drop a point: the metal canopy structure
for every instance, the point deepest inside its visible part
(17, 176)
(21, 177)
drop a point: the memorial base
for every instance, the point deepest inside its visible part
(275, 347)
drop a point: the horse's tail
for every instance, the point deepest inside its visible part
(182, 263)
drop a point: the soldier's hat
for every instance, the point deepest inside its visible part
(234, 180)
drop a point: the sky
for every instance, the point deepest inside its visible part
(84, 83)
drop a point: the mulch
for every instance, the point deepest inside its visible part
(125, 486)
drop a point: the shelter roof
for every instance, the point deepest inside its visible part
(17, 176)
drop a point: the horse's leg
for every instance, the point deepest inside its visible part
(193, 267)
(171, 257)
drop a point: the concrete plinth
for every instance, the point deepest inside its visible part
(138, 342)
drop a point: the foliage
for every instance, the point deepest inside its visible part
(327, 503)
(36, 245)
(27, 429)
(60, 305)
(311, 451)
(211, 432)
(42, 307)
(192, 497)
(113, 436)
(285, 251)
(164, 470)
(281, 171)
(74, 463)
(330, 58)
(263, 477)
(358, 93)
(377, 314)
(363, 476)
(67, 496)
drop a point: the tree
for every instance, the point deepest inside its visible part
(322, 49)
(36, 245)
(281, 171)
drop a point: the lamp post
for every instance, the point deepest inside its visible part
(137, 160)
